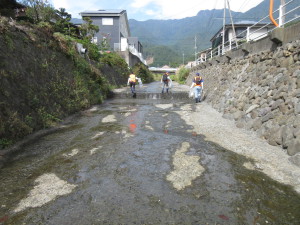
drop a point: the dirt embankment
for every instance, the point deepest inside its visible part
(43, 79)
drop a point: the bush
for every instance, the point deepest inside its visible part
(141, 71)
(116, 61)
(92, 49)
(182, 75)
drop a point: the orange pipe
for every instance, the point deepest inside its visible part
(271, 13)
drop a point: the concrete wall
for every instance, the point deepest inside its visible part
(124, 29)
(258, 86)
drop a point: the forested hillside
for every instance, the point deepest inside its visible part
(179, 35)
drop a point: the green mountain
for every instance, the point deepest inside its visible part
(179, 35)
(168, 40)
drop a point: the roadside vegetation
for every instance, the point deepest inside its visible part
(181, 75)
(43, 76)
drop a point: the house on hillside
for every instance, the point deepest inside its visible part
(11, 8)
(114, 31)
(113, 25)
(243, 31)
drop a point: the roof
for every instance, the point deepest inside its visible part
(107, 13)
(103, 12)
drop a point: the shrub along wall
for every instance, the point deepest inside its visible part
(261, 92)
(43, 79)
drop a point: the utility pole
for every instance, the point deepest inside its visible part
(223, 38)
(195, 50)
(233, 29)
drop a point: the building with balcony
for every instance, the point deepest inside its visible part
(243, 32)
(114, 31)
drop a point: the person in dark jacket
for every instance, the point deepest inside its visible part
(165, 80)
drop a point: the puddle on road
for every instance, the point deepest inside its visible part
(127, 179)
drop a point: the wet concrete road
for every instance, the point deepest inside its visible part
(136, 161)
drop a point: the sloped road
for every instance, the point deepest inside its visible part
(154, 159)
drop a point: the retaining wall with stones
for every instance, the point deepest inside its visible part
(260, 91)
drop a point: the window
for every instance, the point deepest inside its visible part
(107, 21)
(240, 32)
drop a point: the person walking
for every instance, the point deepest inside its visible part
(131, 82)
(198, 87)
(165, 80)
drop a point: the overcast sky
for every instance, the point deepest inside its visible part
(153, 9)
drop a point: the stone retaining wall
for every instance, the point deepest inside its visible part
(261, 92)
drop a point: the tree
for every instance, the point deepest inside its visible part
(63, 24)
(39, 10)
(88, 29)
(104, 44)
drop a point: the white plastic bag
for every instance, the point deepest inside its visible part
(140, 82)
(170, 83)
(191, 94)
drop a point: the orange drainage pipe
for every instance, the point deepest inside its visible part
(271, 13)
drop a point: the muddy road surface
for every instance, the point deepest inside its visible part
(153, 159)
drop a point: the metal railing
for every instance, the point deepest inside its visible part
(252, 31)
(118, 48)
(138, 54)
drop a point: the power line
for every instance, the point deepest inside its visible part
(212, 15)
(246, 1)
(239, 18)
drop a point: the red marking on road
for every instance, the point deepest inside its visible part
(132, 127)
(3, 219)
(223, 217)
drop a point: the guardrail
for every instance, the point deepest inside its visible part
(252, 34)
